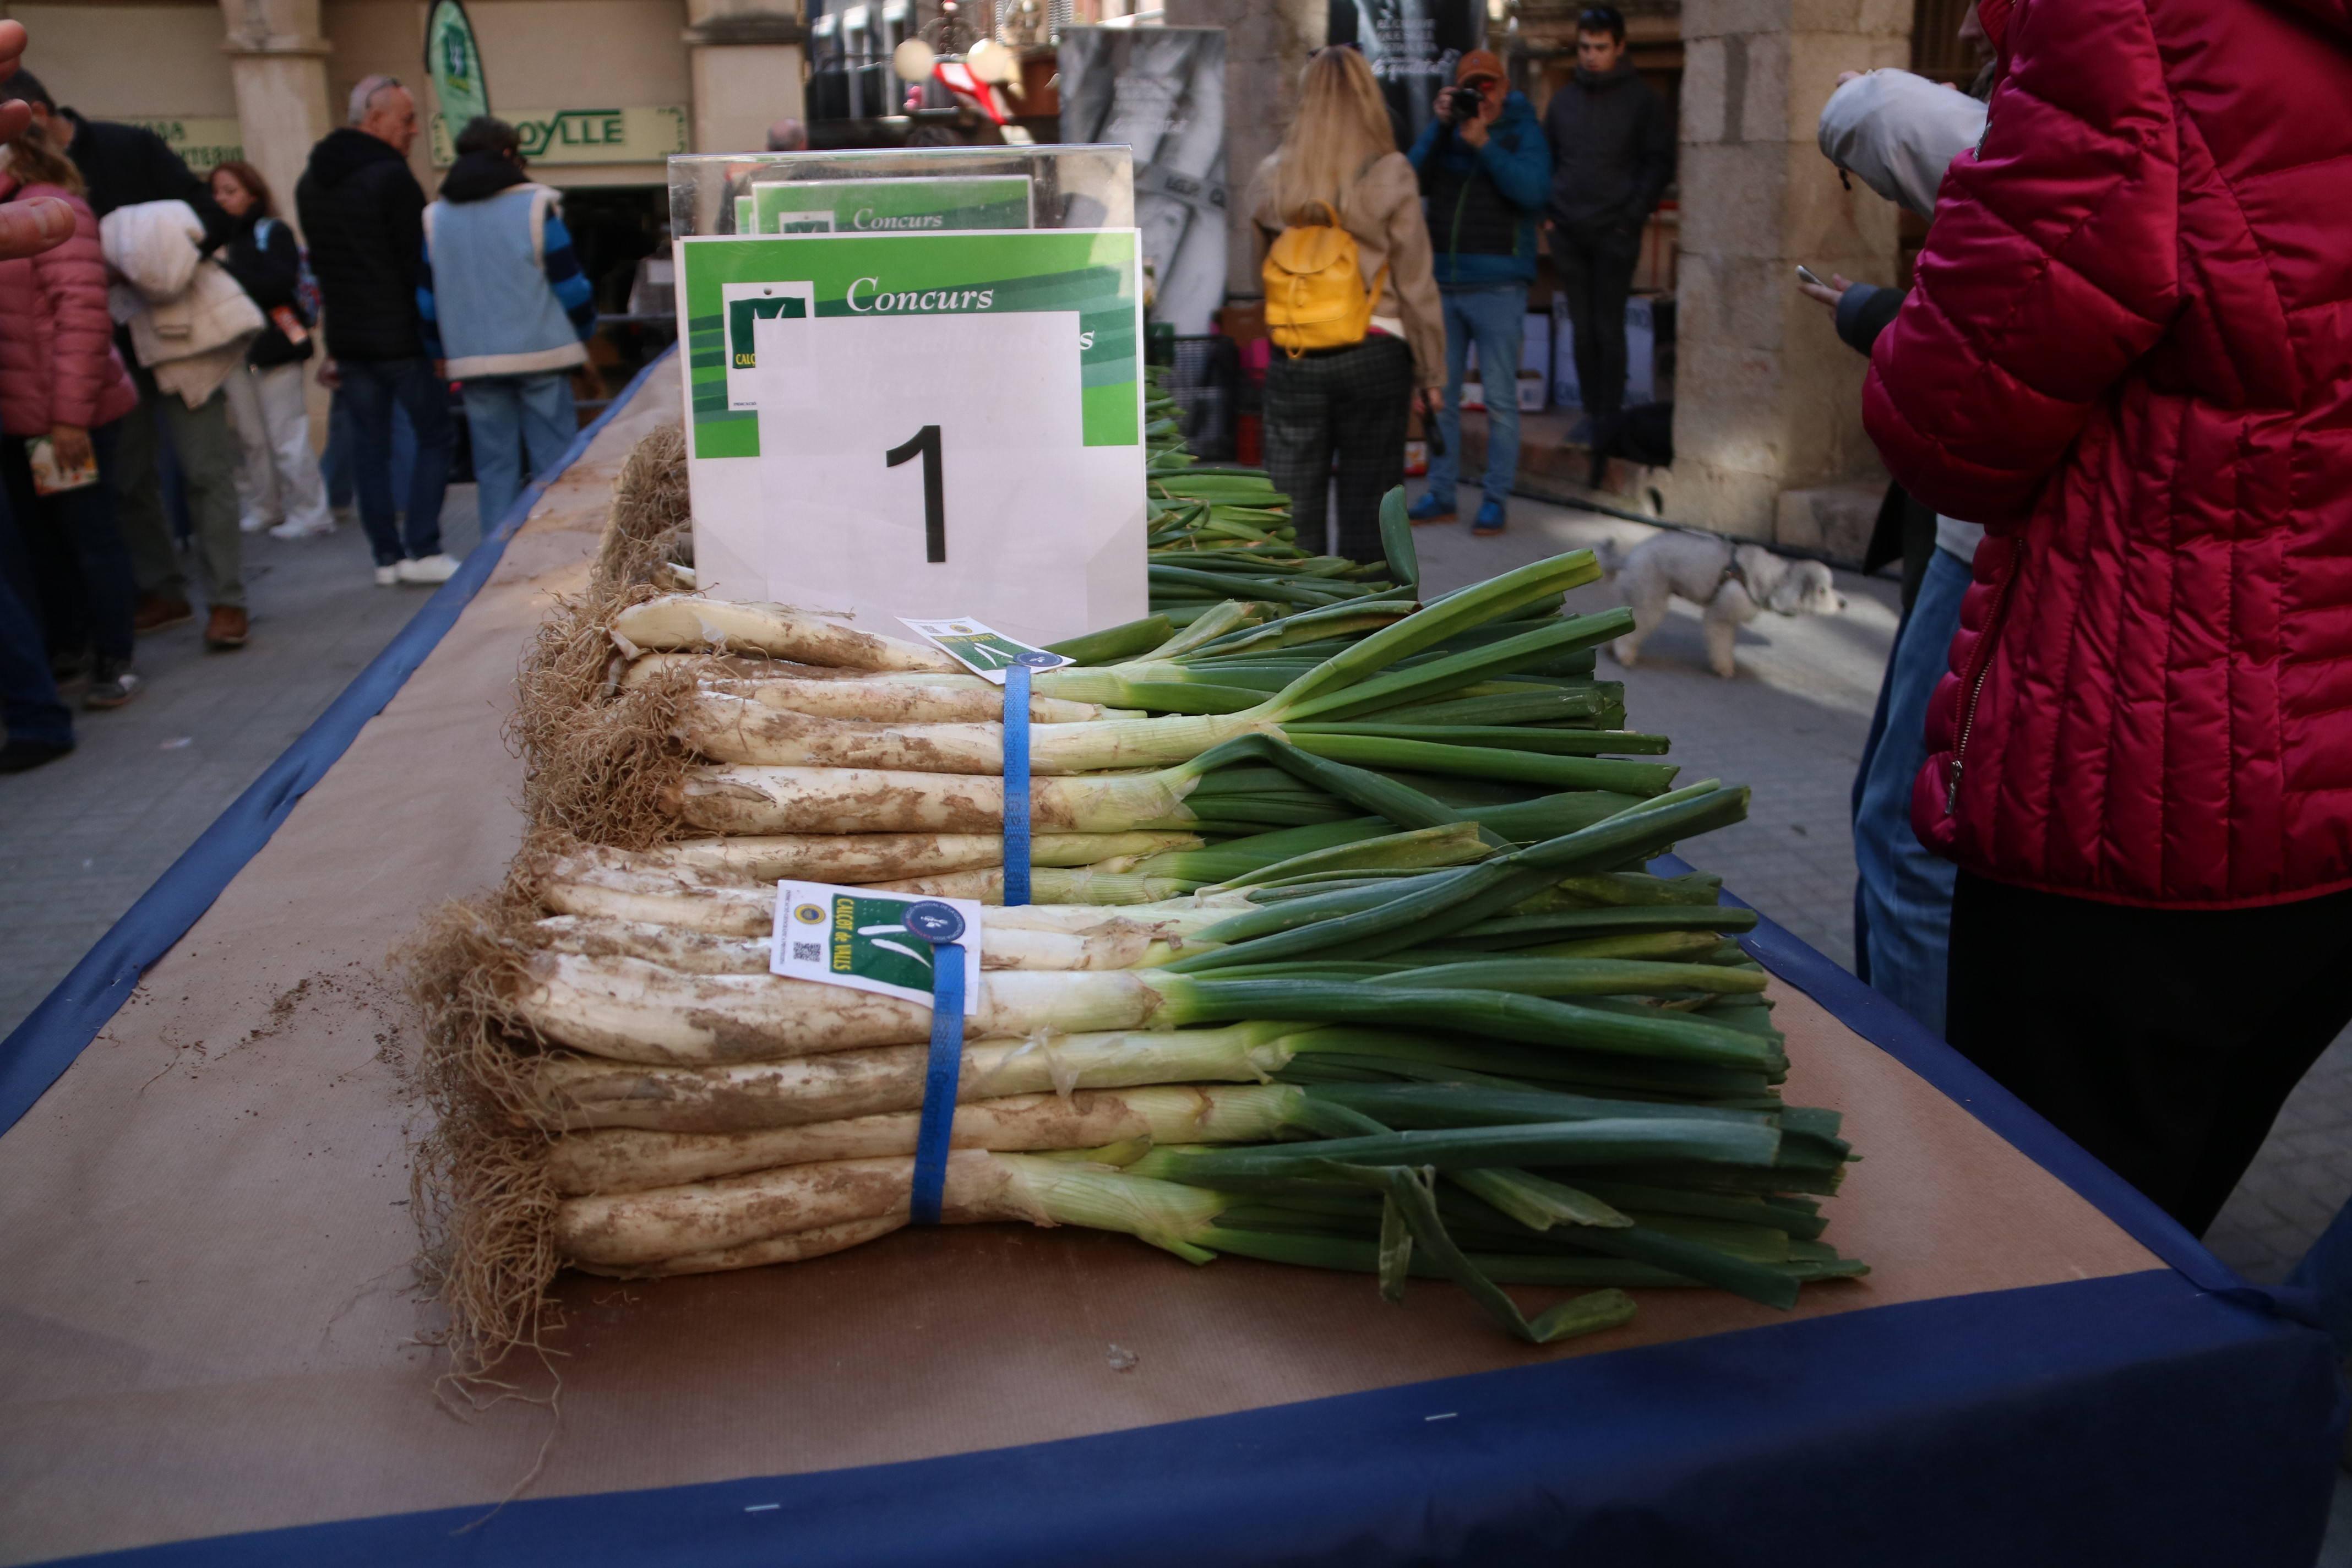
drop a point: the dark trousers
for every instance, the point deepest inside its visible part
(1596, 274)
(2163, 1041)
(371, 389)
(29, 708)
(81, 567)
(1354, 402)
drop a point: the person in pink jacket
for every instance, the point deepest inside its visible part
(60, 381)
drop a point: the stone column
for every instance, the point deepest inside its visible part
(1266, 46)
(749, 69)
(1767, 399)
(279, 64)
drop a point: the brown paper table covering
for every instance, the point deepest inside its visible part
(208, 1319)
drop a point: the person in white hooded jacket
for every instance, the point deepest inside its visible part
(1897, 134)
(189, 325)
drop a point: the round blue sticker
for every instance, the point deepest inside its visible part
(934, 922)
(1038, 659)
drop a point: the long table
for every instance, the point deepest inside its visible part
(216, 1347)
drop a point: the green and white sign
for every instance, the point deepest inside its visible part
(920, 426)
(203, 143)
(890, 207)
(860, 938)
(558, 136)
(453, 62)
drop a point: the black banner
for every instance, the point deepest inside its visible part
(1412, 45)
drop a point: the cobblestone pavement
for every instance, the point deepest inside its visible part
(84, 836)
(1792, 725)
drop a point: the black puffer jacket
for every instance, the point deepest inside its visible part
(1613, 150)
(124, 165)
(364, 216)
(269, 269)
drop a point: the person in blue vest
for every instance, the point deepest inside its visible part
(503, 301)
(1485, 171)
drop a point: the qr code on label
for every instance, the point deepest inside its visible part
(808, 952)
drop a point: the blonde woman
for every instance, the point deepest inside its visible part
(1353, 400)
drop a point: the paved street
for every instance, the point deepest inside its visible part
(84, 836)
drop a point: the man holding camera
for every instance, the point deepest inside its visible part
(1484, 170)
(1613, 150)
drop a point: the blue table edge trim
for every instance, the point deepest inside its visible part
(1887, 1026)
(40, 1049)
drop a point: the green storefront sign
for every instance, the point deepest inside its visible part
(642, 134)
(202, 142)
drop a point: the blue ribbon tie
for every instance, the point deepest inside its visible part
(1016, 784)
(939, 1078)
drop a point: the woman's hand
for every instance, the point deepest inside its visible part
(71, 444)
(1829, 294)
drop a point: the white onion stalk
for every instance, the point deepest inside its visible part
(1113, 882)
(772, 800)
(578, 886)
(731, 729)
(855, 858)
(629, 1010)
(572, 1093)
(893, 701)
(628, 1160)
(1114, 944)
(636, 1228)
(685, 621)
(805, 1210)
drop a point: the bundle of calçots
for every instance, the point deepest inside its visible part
(1341, 955)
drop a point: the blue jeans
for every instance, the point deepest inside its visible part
(1904, 902)
(372, 388)
(1495, 317)
(509, 414)
(29, 709)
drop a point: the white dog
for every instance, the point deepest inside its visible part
(1733, 584)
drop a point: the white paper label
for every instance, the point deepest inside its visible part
(860, 938)
(982, 649)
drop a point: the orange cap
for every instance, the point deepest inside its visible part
(1478, 63)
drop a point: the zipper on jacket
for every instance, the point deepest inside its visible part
(1453, 242)
(1980, 667)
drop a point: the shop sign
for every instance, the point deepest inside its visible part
(888, 206)
(941, 425)
(203, 143)
(558, 136)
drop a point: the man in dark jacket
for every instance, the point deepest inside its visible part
(1483, 169)
(1612, 149)
(362, 213)
(124, 165)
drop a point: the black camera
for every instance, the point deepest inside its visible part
(1456, 104)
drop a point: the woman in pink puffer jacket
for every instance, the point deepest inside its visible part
(59, 378)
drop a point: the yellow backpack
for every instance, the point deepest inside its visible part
(1315, 292)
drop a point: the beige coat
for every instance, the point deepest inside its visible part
(1383, 210)
(189, 322)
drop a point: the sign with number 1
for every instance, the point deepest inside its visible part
(936, 426)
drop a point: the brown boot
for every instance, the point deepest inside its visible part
(225, 628)
(160, 612)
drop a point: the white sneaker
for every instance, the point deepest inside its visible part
(430, 570)
(291, 530)
(387, 576)
(252, 525)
